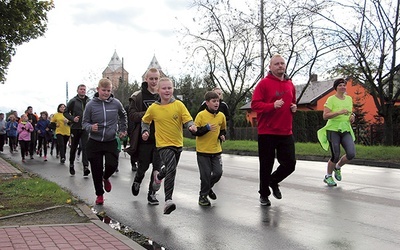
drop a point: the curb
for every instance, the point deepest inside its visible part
(86, 210)
(8, 171)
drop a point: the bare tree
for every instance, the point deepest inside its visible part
(228, 39)
(370, 33)
(289, 30)
(228, 49)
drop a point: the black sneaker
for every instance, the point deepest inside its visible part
(151, 198)
(135, 188)
(275, 191)
(212, 195)
(62, 161)
(71, 169)
(264, 201)
(203, 201)
(86, 171)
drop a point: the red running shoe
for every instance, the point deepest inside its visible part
(100, 200)
(107, 185)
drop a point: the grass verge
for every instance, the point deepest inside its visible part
(21, 194)
(376, 153)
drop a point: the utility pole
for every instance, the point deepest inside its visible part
(66, 93)
(122, 82)
(262, 38)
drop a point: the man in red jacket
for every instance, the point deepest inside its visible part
(274, 100)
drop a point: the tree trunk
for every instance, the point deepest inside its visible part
(231, 129)
(389, 126)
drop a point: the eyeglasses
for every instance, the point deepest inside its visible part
(153, 78)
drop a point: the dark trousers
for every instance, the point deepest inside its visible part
(62, 141)
(78, 136)
(2, 140)
(210, 167)
(42, 144)
(24, 147)
(148, 154)
(96, 153)
(170, 157)
(32, 143)
(283, 147)
(12, 142)
(54, 145)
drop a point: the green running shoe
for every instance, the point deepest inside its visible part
(338, 174)
(329, 180)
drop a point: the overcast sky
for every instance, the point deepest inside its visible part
(78, 45)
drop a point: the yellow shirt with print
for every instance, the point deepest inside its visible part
(168, 122)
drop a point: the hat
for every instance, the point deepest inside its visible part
(337, 82)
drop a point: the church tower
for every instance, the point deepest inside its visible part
(154, 64)
(115, 71)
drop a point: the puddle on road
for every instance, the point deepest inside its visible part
(129, 232)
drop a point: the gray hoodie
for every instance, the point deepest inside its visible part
(110, 116)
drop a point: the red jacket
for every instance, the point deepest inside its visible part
(270, 120)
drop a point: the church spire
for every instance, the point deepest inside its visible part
(115, 62)
(154, 63)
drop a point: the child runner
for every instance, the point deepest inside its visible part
(168, 115)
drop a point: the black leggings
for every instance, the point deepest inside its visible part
(346, 140)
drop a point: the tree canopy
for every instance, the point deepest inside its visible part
(20, 21)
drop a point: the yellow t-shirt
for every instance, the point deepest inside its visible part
(209, 143)
(168, 122)
(62, 127)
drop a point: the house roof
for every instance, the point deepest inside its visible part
(247, 106)
(314, 91)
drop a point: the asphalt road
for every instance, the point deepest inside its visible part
(361, 213)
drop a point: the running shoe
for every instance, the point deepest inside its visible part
(169, 207)
(212, 195)
(264, 201)
(329, 180)
(204, 201)
(99, 200)
(135, 188)
(151, 198)
(338, 173)
(275, 191)
(107, 185)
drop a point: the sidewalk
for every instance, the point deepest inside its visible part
(93, 235)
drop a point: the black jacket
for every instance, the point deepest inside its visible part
(75, 107)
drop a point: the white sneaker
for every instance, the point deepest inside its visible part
(169, 207)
